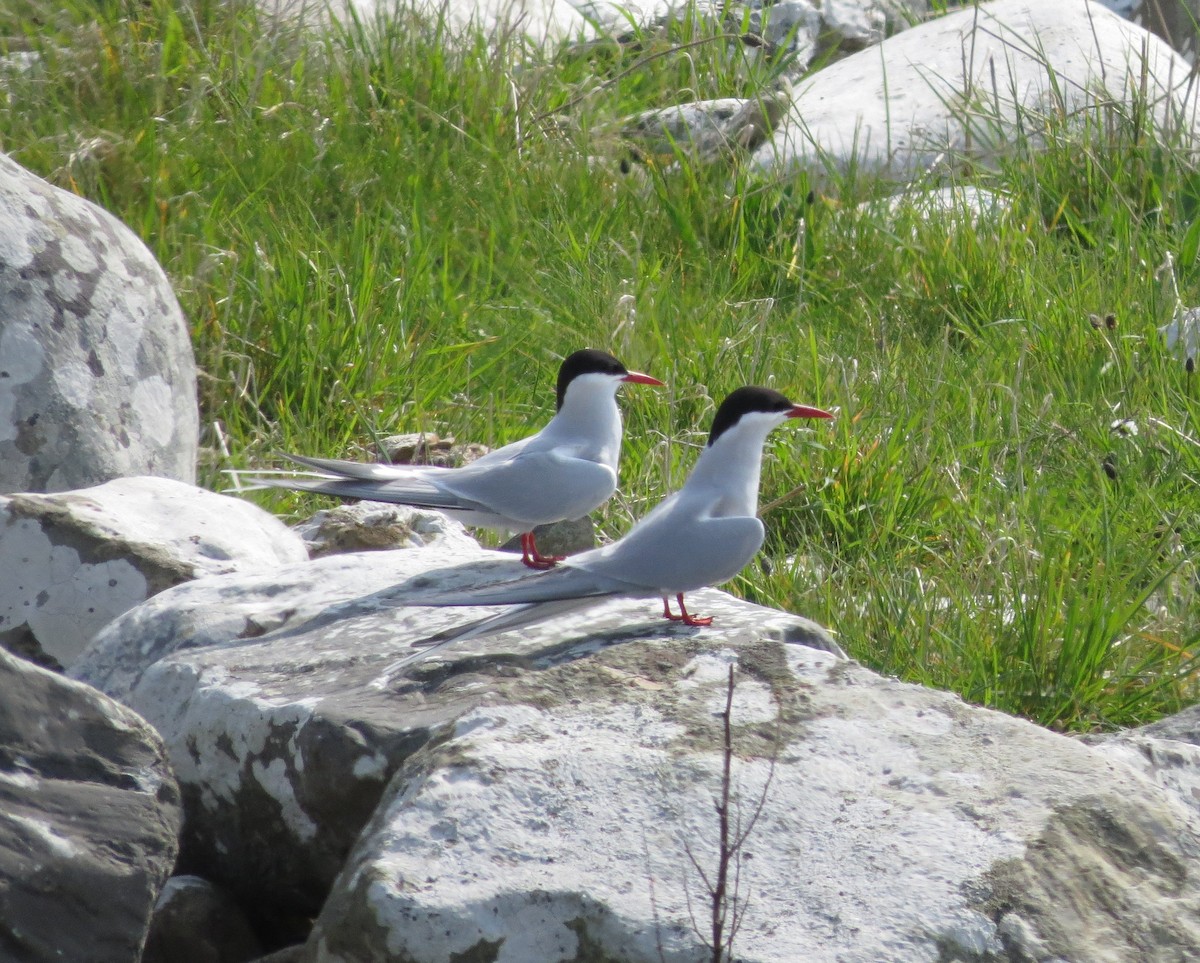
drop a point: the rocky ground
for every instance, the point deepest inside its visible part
(220, 756)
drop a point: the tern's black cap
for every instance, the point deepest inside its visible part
(586, 361)
(744, 401)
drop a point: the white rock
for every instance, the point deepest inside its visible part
(563, 815)
(97, 376)
(796, 24)
(284, 720)
(541, 21)
(951, 206)
(550, 788)
(963, 202)
(79, 559)
(898, 108)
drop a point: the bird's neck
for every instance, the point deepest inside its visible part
(731, 468)
(590, 422)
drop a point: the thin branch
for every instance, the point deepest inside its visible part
(720, 904)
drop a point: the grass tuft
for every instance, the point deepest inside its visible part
(403, 225)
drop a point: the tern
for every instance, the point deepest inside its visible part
(703, 534)
(564, 471)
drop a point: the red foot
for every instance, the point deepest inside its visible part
(532, 557)
(683, 613)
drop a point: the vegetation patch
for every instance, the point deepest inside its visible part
(387, 227)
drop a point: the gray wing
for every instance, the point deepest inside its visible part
(363, 471)
(420, 486)
(380, 483)
(528, 487)
(535, 486)
(672, 550)
(506, 452)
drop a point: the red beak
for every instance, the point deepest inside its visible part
(804, 411)
(642, 379)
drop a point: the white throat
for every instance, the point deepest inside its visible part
(730, 468)
(589, 421)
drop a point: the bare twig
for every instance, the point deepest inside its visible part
(723, 884)
(726, 853)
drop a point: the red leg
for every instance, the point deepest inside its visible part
(532, 557)
(683, 615)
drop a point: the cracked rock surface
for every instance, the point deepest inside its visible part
(550, 794)
(79, 559)
(89, 819)
(571, 816)
(284, 718)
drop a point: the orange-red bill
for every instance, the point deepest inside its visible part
(642, 379)
(804, 411)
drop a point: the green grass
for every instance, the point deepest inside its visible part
(393, 229)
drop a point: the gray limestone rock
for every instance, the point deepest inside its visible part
(793, 33)
(1167, 751)
(568, 537)
(289, 954)
(549, 794)
(803, 27)
(378, 526)
(89, 815)
(794, 26)
(285, 717)
(957, 86)
(421, 448)
(857, 24)
(79, 559)
(97, 375)
(707, 131)
(197, 922)
(573, 814)
(1173, 20)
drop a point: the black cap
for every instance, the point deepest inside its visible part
(586, 361)
(744, 401)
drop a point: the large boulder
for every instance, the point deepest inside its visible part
(89, 815)
(79, 559)
(552, 794)
(97, 375)
(603, 809)
(971, 82)
(285, 717)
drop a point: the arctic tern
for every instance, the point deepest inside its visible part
(703, 534)
(564, 471)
